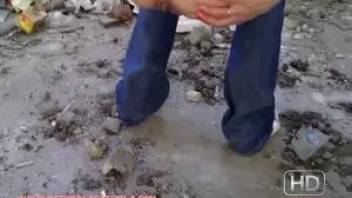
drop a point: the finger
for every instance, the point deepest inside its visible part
(231, 20)
(213, 3)
(214, 12)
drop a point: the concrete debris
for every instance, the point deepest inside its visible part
(111, 125)
(193, 96)
(135, 7)
(308, 142)
(121, 160)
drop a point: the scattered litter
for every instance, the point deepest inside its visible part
(308, 142)
(30, 18)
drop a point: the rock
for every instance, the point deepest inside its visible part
(7, 26)
(298, 36)
(58, 20)
(193, 96)
(96, 149)
(120, 160)
(122, 13)
(106, 21)
(327, 155)
(104, 6)
(308, 142)
(336, 138)
(111, 125)
(206, 47)
(65, 117)
(198, 35)
(290, 24)
(314, 14)
(78, 131)
(218, 37)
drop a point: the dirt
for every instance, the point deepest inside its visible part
(57, 88)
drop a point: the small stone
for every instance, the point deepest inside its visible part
(111, 125)
(327, 155)
(330, 147)
(336, 138)
(106, 21)
(193, 96)
(199, 34)
(120, 160)
(206, 47)
(65, 117)
(339, 55)
(305, 27)
(290, 24)
(298, 36)
(218, 37)
(77, 131)
(96, 149)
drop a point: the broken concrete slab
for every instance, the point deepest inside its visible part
(193, 96)
(308, 142)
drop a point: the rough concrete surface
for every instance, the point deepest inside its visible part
(57, 93)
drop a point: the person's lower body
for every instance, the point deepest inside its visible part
(250, 76)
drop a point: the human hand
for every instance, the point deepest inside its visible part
(182, 7)
(235, 11)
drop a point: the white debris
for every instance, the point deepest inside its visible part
(187, 25)
(193, 96)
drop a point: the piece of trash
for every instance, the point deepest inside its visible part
(308, 142)
(24, 164)
(30, 18)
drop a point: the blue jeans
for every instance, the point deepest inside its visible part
(250, 76)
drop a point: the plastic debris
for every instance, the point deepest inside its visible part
(308, 142)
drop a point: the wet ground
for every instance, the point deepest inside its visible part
(56, 95)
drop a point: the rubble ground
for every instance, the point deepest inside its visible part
(59, 133)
